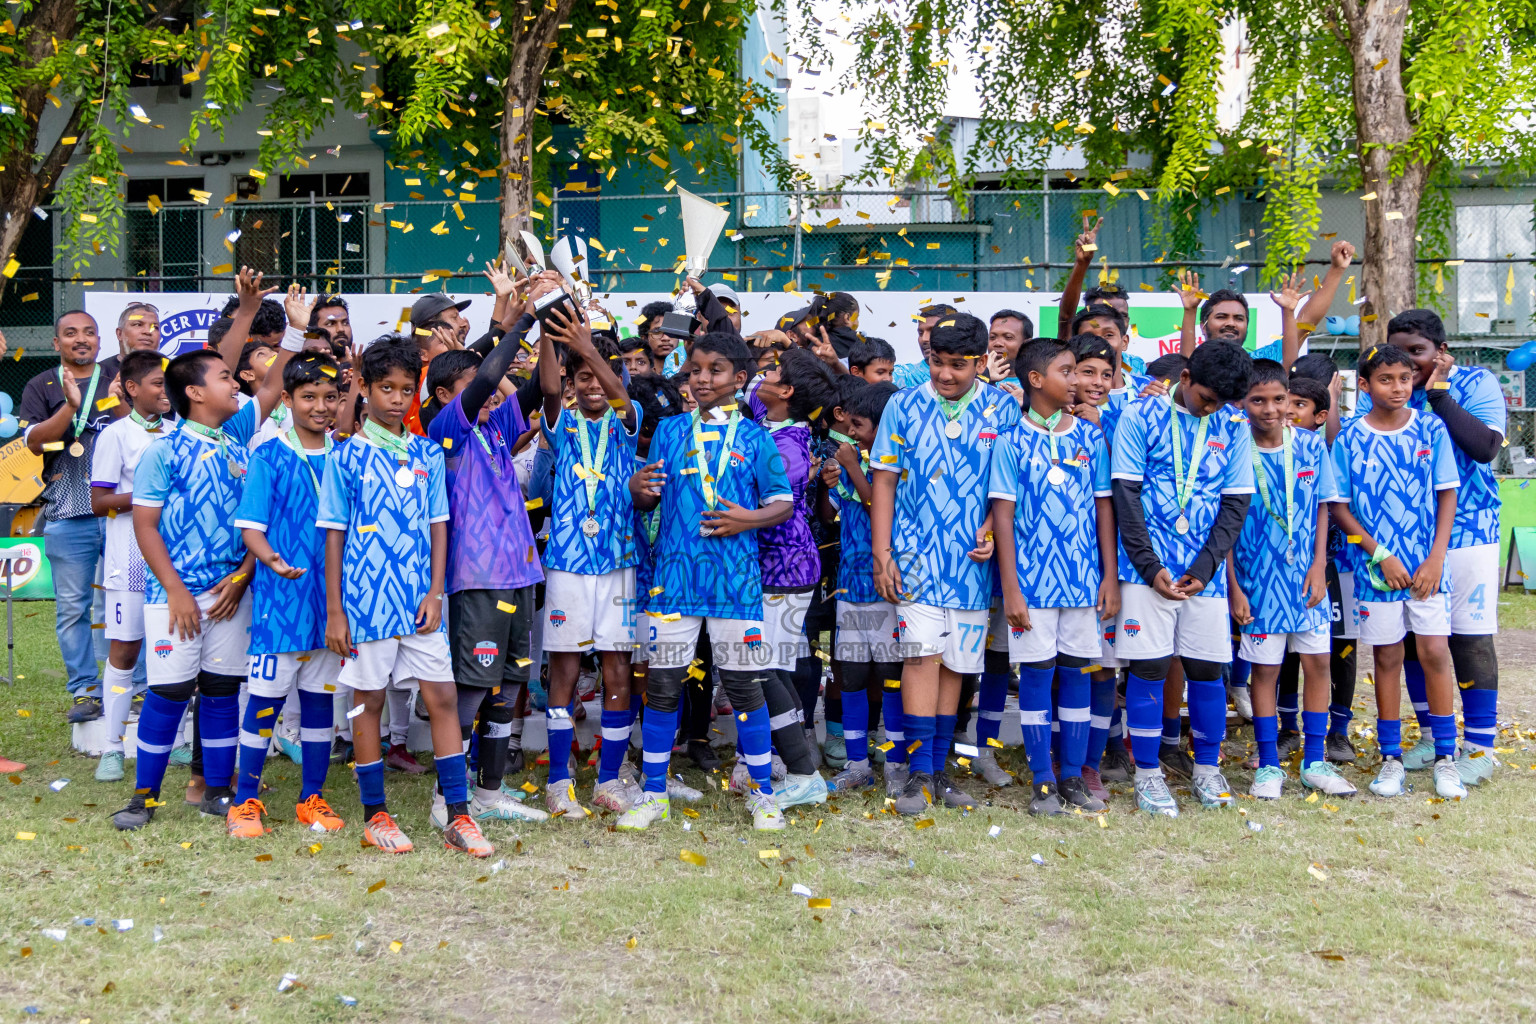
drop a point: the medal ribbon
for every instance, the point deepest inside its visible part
(590, 465)
(214, 434)
(1049, 423)
(397, 444)
(1185, 485)
(148, 424)
(953, 410)
(86, 396)
(1289, 463)
(701, 457)
(486, 447)
(292, 440)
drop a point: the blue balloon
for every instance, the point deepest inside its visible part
(8, 426)
(6, 408)
(1352, 327)
(1333, 324)
(1520, 358)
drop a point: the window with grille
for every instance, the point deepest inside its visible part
(1496, 298)
(164, 249)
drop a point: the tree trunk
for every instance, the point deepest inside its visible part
(1382, 123)
(525, 79)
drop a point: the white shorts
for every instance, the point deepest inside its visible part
(583, 613)
(1051, 631)
(867, 632)
(412, 656)
(277, 675)
(1109, 655)
(125, 614)
(219, 647)
(1474, 590)
(737, 644)
(1387, 622)
(784, 629)
(1271, 648)
(1351, 607)
(956, 636)
(1153, 626)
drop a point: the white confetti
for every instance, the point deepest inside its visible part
(1037, 859)
(995, 831)
(123, 925)
(800, 890)
(56, 934)
(287, 982)
(966, 750)
(58, 784)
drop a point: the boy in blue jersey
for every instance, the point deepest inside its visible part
(276, 518)
(1056, 555)
(589, 560)
(1397, 480)
(913, 375)
(1470, 403)
(197, 616)
(1276, 580)
(867, 654)
(1182, 475)
(931, 541)
(717, 478)
(384, 505)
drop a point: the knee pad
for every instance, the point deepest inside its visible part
(1476, 663)
(664, 689)
(995, 662)
(178, 692)
(496, 708)
(744, 688)
(1070, 661)
(1153, 670)
(211, 685)
(1197, 671)
(1048, 665)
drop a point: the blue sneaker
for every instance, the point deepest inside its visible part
(291, 750)
(855, 776)
(801, 789)
(1153, 796)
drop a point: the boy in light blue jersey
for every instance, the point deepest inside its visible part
(197, 615)
(1276, 579)
(276, 518)
(1182, 475)
(931, 541)
(916, 374)
(1051, 504)
(717, 479)
(384, 505)
(1397, 483)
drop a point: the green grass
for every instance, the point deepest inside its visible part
(1426, 910)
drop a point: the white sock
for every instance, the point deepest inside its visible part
(1147, 773)
(399, 715)
(116, 703)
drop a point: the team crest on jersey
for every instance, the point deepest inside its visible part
(1216, 445)
(737, 457)
(1422, 453)
(1305, 474)
(1131, 627)
(1014, 631)
(753, 638)
(485, 652)
(557, 617)
(986, 437)
(1365, 612)
(163, 648)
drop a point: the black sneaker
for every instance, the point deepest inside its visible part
(1288, 743)
(701, 754)
(216, 802)
(515, 762)
(135, 816)
(1045, 801)
(1117, 765)
(86, 708)
(341, 751)
(1337, 748)
(954, 796)
(136, 706)
(1074, 793)
(916, 795)
(1175, 761)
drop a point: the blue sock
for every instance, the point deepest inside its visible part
(1172, 727)
(1288, 716)
(1143, 713)
(1073, 712)
(1339, 717)
(1443, 728)
(836, 728)
(1314, 735)
(993, 690)
(1266, 733)
(1035, 720)
(1117, 722)
(1207, 719)
(218, 719)
(656, 734)
(895, 725)
(943, 736)
(919, 749)
(1240, 672)
(1389, 733)
(557, 721)
(317, 725)
(1418, 693)
(1101, 708)
(615, 744)
(452, 778)
(856, 724)
(756, 738)
(1480, 716)
(255, 737)
(370, 784)
(159, 725)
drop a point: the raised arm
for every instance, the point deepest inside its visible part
(1083, 249)
(248, 288)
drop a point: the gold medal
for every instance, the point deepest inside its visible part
(77, 449)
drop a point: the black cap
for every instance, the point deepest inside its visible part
(429, 306)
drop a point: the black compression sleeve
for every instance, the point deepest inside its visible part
(713, 312)
(1229, 522)
(1133, 529)
(1480, 441)
(492, 369)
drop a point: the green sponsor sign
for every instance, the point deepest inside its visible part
(31, 576)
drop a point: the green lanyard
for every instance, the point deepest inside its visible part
(701, 458)
(1185, 485)
(217, 436)
(842, 438)
(1049, 423)
(486, 446)
(292, 440)
(652, 525)
(149, 425)
(954, 409)
(398, 444)
(1288, 460)
(86, 396)
(774, 428)
(592, 468)
(278, 414)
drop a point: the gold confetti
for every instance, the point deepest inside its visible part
(26, 836)
(767, 854)
(697, 859)
(924, 823)
(818, 903)
(396, 946)
(376, 886)
(1316, 871)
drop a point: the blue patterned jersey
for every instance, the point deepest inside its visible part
(911, 375)
(645, 555)
(855, 566)
(1055, 527)
(1389, 481)
(189, 479)
(717, 577)
(282, 500)
(1274, 585)
(1119, 398)
(941, 493)
(1477, 500)
(1143, 452)
(387, 562)
(568, 549)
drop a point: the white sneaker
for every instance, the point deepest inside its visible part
(677, 789)
(1389, 779)
(439, 813)
(1242, 702)
(777, 768)
(1475, 765)
(1268, 783)
(1448, 782)
(1421, 755)
(561, 800)
(801, 789)
(1323, 777)
(629, 773)
(652, 808)
(741, 778)
(613, 795)
(766, 815)
(501, 808)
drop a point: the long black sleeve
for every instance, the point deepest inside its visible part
(1132, 522)
(1480, 441)
(714, 314)
(493, 368)
(1229, 523)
